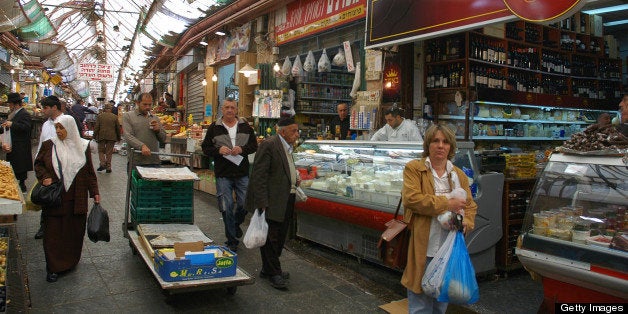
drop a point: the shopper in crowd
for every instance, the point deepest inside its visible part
(106, 134)
(426, 183)
(143, 131)
(51, 107)
(79, 110)
(397, 129)
(604, 119)
(170, 101)
(342, 120)
(623, 112)
(229, 141)
(92, 108)
(19, 123)
(114, 107)
(66, 155)
(272, 189)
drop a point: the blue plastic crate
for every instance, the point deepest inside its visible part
(187, 269)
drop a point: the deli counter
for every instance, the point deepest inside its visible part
(353, 189)
(574, 232)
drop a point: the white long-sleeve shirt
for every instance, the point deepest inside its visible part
(407, 131)
(47, 132)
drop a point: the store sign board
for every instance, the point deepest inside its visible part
(390, 22)
(307, 17)
(94, 72)
(543, 11)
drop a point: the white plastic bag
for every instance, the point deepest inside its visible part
(297, 68)
(5, 139)
(435, 271)
(258, 230)
(310, 63)
(339, 59)
(323, 63)
(300, 196)
(287, 66)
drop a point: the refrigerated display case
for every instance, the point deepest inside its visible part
(574, 232)
(353, 188)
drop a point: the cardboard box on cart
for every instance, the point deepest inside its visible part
(192, 260)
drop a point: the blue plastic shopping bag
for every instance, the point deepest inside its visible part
(459, 283)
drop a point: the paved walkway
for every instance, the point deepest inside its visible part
(109, 278)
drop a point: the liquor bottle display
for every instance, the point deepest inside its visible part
(542, 68)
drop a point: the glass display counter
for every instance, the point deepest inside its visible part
(353, 189)
(574, 232)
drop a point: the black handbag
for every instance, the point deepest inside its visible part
(49, 195)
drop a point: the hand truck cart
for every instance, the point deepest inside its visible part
(139, 245)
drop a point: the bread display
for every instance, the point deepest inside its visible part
(10, 189)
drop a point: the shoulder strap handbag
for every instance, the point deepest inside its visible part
(394, 226)
(50, 195)
(393, 243)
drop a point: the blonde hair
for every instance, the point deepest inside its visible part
(430, 133)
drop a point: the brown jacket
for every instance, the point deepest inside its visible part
(420, 206)
(107, 127)
(85, 181)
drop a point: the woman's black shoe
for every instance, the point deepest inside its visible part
(52, 277)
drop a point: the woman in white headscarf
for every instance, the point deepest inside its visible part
(66, 155)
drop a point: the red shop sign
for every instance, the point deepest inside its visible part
(543, 10)
(392, 79)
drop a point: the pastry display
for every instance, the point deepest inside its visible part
(7, 181)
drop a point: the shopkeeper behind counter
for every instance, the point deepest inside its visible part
(341, 123)
(397, 129)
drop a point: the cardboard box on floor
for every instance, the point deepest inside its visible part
(396, 307)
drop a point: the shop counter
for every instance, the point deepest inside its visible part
(353, 189)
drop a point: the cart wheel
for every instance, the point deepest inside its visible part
(232, 290)
(133, 249)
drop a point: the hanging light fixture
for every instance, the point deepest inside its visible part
(204, 82)
(276, 67)
(247, 70)
(214, 78)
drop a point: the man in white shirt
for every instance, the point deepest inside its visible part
(397, 129)
(51, 106)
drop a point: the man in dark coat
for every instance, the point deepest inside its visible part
(272, 188)
(106, 133)
(19, 123)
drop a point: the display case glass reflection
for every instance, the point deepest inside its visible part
(578, 211)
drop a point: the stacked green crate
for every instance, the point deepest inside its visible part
(161, 201)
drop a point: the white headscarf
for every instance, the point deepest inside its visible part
(71, 150)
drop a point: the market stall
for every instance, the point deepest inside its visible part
(353, 188)
(573, 234)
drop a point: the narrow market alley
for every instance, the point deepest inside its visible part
(110, 278)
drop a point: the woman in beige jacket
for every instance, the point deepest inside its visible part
(426, 185)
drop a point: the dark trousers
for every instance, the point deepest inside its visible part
(105, 150)
(277, 232)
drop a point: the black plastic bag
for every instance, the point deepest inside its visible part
(98, 224)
